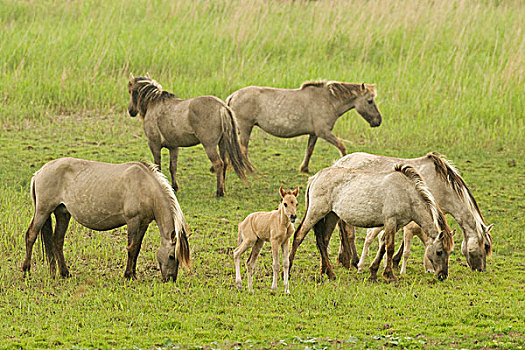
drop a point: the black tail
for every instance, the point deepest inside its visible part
(238, 160)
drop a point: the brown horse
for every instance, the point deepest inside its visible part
(310, 110)
(172, 122)
(103, 196)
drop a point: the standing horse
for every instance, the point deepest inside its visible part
(310, 110)
(276, 227)
(449, 190)
(172, 122)
(103, 196)
(364, 199)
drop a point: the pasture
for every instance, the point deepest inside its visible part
(449, 77)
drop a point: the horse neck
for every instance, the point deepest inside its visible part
(164, 216)
(343, 104)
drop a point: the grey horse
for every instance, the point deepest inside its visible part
(371, 199)
(449, 190)
(103, 196)
(172, 122)
(310, 110)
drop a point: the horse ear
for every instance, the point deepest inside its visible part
(147, 75)
(363, 87)
(173, 237)
(440, 236)
(296, 191)
(281, 191)
(131, 77)
(453, 232)
(489, 227)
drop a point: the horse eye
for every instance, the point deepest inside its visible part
(439, 253)
(370, 101)
(285, 204)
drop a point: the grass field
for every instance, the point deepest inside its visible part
(450, 78)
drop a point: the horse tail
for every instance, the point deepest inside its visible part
(46, 232)
(437, 214)
(230, 141)
(306, 205)
(182, 248)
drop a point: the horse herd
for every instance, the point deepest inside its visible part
(376, 192)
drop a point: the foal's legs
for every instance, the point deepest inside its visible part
(371, 234)
(250, 264)
(174, 153)
(136, 231)
(328, 136)
(218, 165)
(243, 246)
(312, 139)
(347, 249)
(62, 222)
(286, 260)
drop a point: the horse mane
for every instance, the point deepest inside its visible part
(451, 176)
(437, 214)
(149, 91)
(340, 90)
(178, 218)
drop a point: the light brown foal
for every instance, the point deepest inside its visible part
(275, 227)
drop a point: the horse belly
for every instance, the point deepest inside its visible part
(97, 219)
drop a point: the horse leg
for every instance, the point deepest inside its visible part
(174, 153)
(323, 231)
(286, 265)
(40, 218)
(347, 249)
(243, 246)
(222, 154)
(389, 237)
(245, 129)
(371, 234)
(328, 136)
(62, 222)
(155, 150)
(300, 233)
(218, 166)
(312, 139)
(48, 238)
(275, 266)
(407, 241)
(375, 264)
(136, 231)
(250, 263)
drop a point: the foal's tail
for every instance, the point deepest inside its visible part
(230, 141)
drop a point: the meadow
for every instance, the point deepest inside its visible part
(449, 76)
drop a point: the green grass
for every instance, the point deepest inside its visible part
(450, 78)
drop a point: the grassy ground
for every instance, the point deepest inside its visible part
(449, 77)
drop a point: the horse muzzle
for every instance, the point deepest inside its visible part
(292, 218)
(442, 276)
(132, 112)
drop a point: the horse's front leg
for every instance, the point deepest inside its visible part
(286, 264)
(275, 265)
(155, 150)
(390, 234)
(136, 231)
(371, 234)
(312, 139)
(328, 136)
(174, 153)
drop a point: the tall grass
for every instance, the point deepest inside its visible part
(448, 71)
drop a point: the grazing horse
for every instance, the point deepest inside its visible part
(172, 122)
(371, 199)
(275, 227)
(310, 110)
(103, 196)
(449, 190)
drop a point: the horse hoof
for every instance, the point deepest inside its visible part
(304, 170)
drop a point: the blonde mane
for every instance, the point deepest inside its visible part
(437, 214)
(341, 90)
(452, 177)
(148, 91)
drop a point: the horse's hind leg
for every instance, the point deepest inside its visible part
(312, 139)
(62, 222)
(347, 250)
(174, 153)
(40, 219)
(371, 234)
(49, 246)
(323, 231)
(245, 244)
(252, 260)
(218, 165)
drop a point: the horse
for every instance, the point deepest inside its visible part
(390, 199)
(310, 110)
(451, 193)
(171, 122)
(275, 227)
(103, 196)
